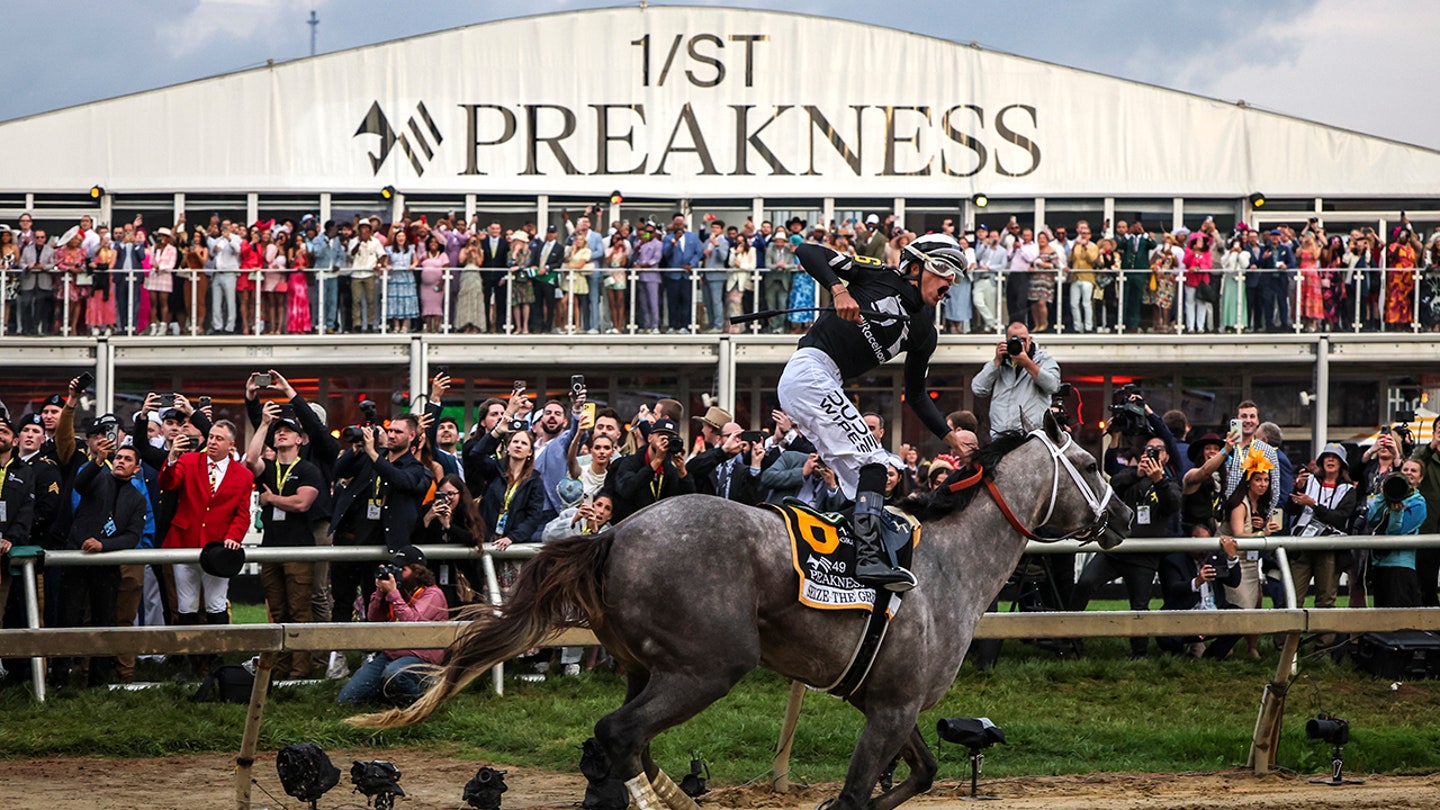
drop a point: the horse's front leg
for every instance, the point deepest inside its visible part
(885, 734)
(923, 767)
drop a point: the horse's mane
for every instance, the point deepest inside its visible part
(940, 502)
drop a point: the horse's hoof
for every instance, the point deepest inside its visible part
(825, 804)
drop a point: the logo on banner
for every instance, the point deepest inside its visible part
(376, 123)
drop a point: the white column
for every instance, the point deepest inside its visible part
(252, 208)
(179, 206)
(898, 209)
(325, 208)
(827, 212)
(757, 211)
(1039, 214)
(725, 373)
(1321, 404)
(1107, 216)
(397, 206)
(1177, 219)
(418, 367)
(542, 211)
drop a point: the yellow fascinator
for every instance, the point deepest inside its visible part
(1255, 462)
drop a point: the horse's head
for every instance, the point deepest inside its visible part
(1075, 500)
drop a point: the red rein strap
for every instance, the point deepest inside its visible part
(974, 479)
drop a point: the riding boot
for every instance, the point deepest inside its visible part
(872, 564)
(187, 662)
(222, 617)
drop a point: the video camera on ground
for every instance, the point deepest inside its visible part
(1126, 416)
(354, 434)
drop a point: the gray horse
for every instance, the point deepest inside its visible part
(692, 593)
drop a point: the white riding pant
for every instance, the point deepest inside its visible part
(812, 394)
(189, 579)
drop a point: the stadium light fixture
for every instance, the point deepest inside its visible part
(96, 192)
(387, 193)
(980, 200)
(616, 197)
(1257, 200)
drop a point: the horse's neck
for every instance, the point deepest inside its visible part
(981, 538)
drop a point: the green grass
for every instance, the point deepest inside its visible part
(1101, 713)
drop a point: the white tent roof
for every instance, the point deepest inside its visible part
(673, 101)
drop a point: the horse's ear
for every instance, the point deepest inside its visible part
(1052, 427)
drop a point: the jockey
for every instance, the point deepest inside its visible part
(844, 344)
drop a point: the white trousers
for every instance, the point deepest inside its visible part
(985, 295)
(1082, 306)
(813, 395)
(189, 580)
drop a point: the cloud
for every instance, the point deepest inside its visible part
(1358, 66)
(235, 20)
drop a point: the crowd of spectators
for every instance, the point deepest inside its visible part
(523, 471)
(414, 275)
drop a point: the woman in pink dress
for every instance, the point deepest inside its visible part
(1312, 296)
(71, 263)
(252, 258)
(273, 287)
(100, 312)
(432, 283)
(297, 316)
(160, 281)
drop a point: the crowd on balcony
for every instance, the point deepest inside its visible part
(456, 276)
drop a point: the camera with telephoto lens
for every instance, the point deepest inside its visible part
(1014, 345)
(1126, 416)
(1395, 488)
(354, 434)
(674, 445)
(388, 570)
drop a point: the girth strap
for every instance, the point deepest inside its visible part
(868, 649)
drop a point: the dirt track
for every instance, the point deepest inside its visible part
(432, 781)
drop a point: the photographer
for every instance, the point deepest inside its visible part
(512, 507)
(1323, 503)
(404, 591)
(1427, 560)
(288, 488)
(659, 472)
(109, 516)
(1196, 580)
(381, 502)
(1398, 509)
(453, 519)
(1154, 496)
(1019, 382)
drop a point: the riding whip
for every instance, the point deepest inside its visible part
(868, 314)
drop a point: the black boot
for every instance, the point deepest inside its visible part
(872, 564)
(187, 662)
(223, 617)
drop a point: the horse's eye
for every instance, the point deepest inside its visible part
(1092, 468)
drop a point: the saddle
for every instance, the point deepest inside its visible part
(822, 551)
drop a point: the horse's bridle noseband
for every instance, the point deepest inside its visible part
(1098, 505)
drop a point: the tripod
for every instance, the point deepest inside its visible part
(1337, 765)
(977, 760)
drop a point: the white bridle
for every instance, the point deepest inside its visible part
(1098, 504)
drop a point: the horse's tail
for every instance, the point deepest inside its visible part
(560, 587)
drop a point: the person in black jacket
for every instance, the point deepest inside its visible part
(453, 519)
(1154, 496)
(381, 502)
(1193, 580)
(640, 479)
(17, 503)
(321, 449)
(109, 517)
(513, 505)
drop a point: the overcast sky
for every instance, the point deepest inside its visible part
(1365, 65)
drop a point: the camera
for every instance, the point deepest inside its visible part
(354, 433)
(1152, 453)
(1014, 345)
(388, 570)
(1395, 488)
(517, 425)
(1332, 730)
(262, 379)
(1129, 417)
(674, 445)
(577, 384)
(205, 402)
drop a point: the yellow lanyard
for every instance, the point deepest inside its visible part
(5, 473)
(281, 481)
(509, 495)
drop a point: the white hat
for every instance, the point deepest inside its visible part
(70, 234)
(164, 232)
(873, 219)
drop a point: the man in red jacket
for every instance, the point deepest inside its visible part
(213, 505)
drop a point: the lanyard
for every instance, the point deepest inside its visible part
(509, 495)
(5, 473)
(280, 481)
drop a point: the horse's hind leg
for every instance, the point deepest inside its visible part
(666, 701)
(885, 734)
(923, 767)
